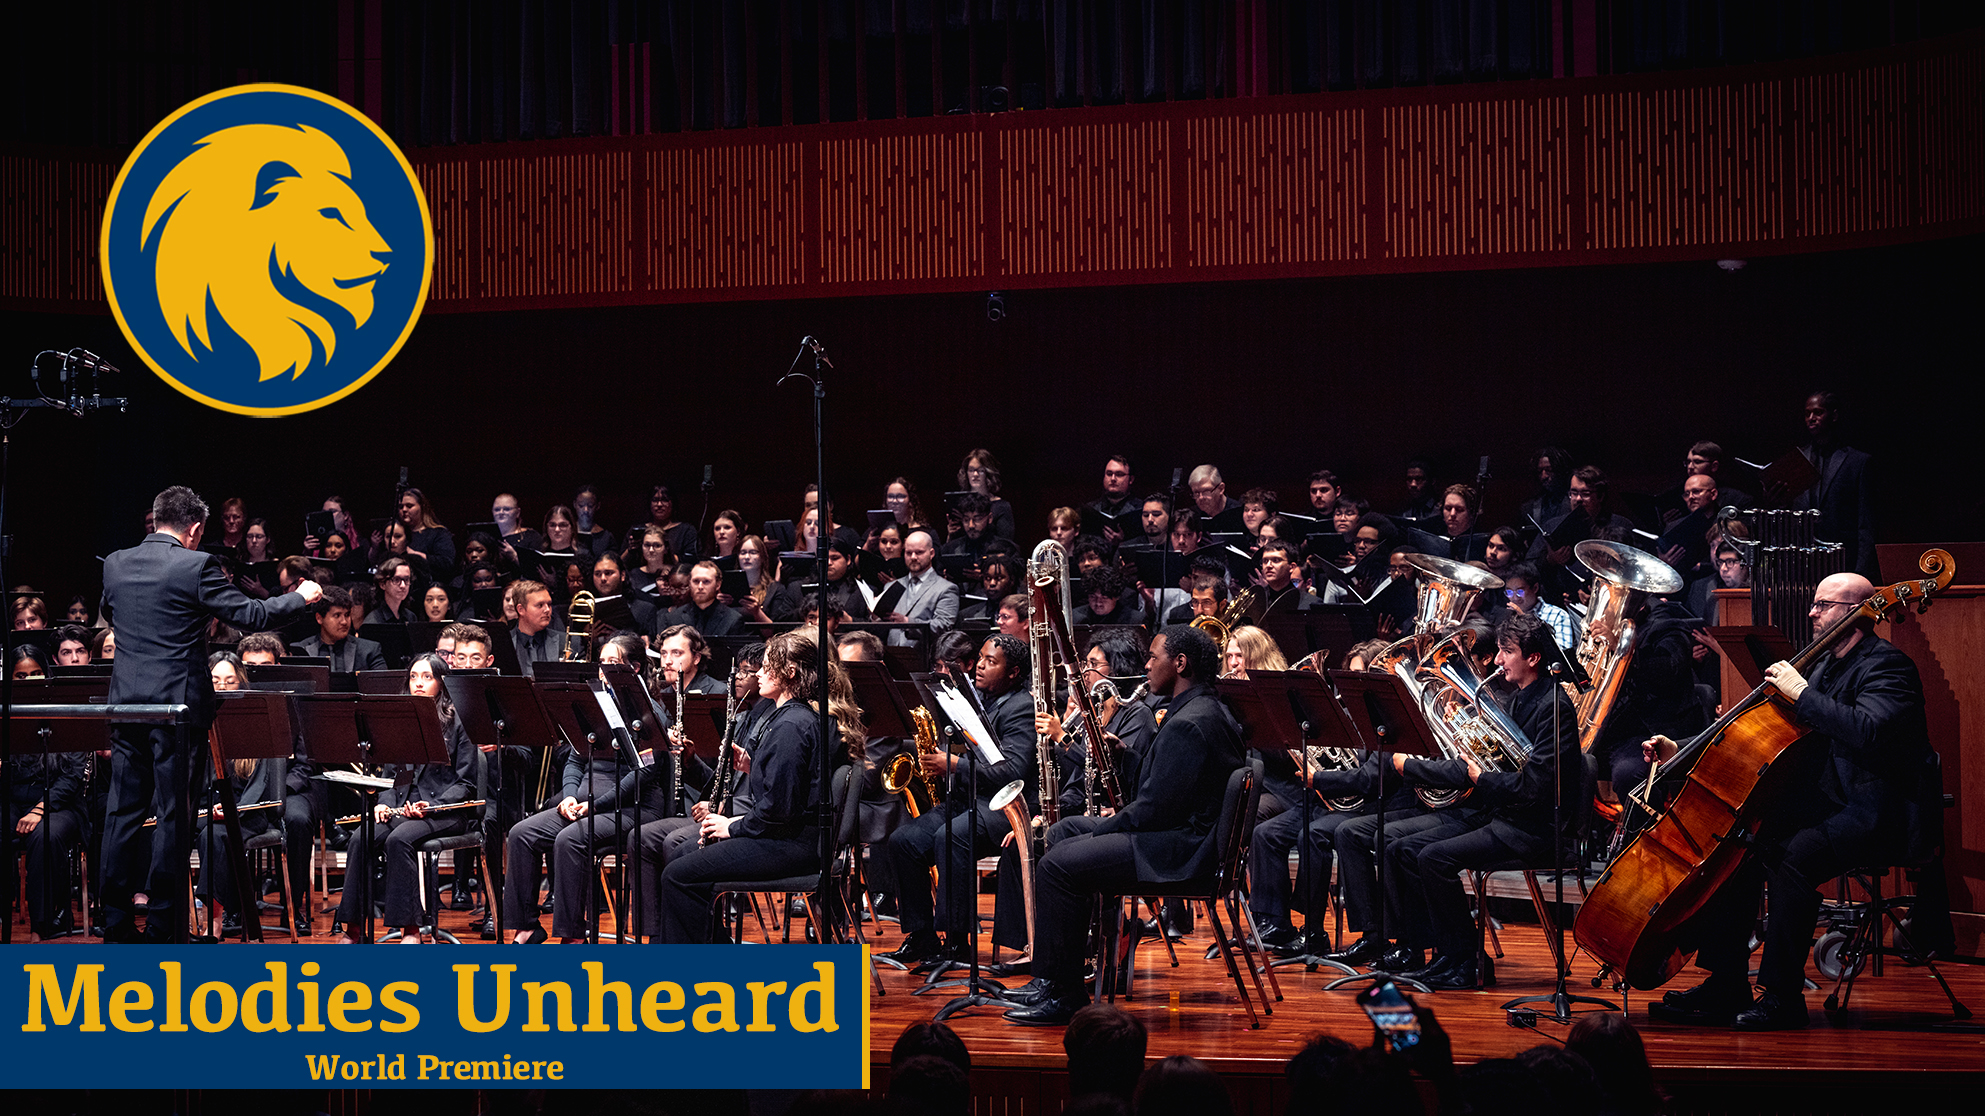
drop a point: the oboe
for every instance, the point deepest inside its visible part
(724, 783)
(401, 811)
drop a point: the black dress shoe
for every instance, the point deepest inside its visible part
(1050, 1011)
(1032, 992)
(1772, 1012)
(1281, 938)
(1450, 976)
(915, 950)
(1399, 959)
(945, 955)
(1709, 1004)
(1364, 951)
(1003, 969)
(1309, 943)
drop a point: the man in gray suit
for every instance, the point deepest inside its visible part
(927, 597)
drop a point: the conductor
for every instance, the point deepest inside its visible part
(161, 595)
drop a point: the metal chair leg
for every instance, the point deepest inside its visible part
(1226, 951)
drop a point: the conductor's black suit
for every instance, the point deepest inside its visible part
(159, 596)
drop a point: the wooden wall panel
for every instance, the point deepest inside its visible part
(1702, 165)
(902, 207)
(557, 225)
(1819, 154)
(1084, 199)
(725, 217)
(1477, 178)
(1849, 151)
(1274, 188)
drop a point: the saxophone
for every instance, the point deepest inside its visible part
(904, 773)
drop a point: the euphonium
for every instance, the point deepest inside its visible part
(1625, 579)
(1012, 801)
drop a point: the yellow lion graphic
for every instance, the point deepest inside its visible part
(252, 203)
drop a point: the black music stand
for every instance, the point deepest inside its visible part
(498, 711)
(1276, 708)
(367, 729)
(380, 681)
(1389, 722)
(880, 699)
(257, 726)
(49, 738)
(979, 990)
(576, 711)
(319, 676)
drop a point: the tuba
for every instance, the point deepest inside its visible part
(1624, 579)
(1313, 758)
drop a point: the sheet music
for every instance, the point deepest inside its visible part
(869, 596)
(968, 722)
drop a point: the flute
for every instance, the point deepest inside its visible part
(237, 809)
(401, 811)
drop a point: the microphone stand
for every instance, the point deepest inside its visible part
(1561, 998)
(823, 525)
(77, 366)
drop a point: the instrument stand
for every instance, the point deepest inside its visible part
(1387, 712)
(982, 991)
(1311, 962)
(1561, 997)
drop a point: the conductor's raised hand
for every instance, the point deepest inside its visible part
(310, 591)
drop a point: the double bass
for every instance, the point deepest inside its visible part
(1721, 782)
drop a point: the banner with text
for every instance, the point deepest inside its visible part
(592, 1017)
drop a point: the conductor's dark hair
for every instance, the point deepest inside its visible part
(1525, 632)
(1105, 1046)
(1202, 658)
(935, 1039)
(335, 596)
(1017, 659)
(178, 507)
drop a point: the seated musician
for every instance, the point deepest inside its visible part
(1208, 589)
(779, 834)
(401, 819)
(1507, 817)
(663, 839)
(334, 639)
(1279, 592)
(953, 835)
(1106, 600)
(304, 800)
(1872, 801)
(1164, 835)
(1011, 617)
(703, 611)
(45, 811)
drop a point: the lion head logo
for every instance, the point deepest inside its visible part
(255, 212)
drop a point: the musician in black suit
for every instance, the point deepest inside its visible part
(44, 815)
(334, 639)
(416, 788)
(954, 835)
(1867, 796)
(160, 595)
(1507, 816)
(1843, 495)
(1164, 835)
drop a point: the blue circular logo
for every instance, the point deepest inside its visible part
(267, 249)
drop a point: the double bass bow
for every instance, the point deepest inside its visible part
(1721, 782)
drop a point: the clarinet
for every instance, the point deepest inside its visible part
(724, 783)
(675, 754)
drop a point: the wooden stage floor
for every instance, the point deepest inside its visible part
(1889, 1035)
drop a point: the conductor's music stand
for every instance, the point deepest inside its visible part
(497, 711)
(1389, 723)
(367, 729)
(250, 725)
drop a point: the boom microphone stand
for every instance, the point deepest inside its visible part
(1561, 998)
(823, 524)
(77, 376)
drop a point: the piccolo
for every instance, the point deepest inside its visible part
(401, 811)
(237, 809)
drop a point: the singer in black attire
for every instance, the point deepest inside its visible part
(160, 595)
(1507, 818)
(415, 787)
(974, 829)
(1165, 835)
(780, 835)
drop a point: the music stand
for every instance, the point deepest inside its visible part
(62, 737)
(497, 711)
(703, 717)
(880, 699)
(1293, 707)
(248, 725)
(576, 710)
(1389, 722)
(1750, 648)
(319, 677)
(380, 681)
(367, 729)
(392, 640)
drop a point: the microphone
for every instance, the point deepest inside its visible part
(706, 478)
(88, 361)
